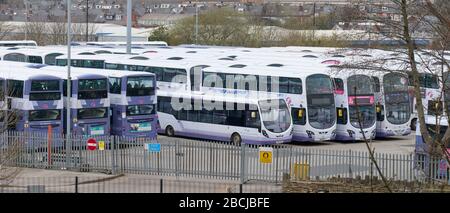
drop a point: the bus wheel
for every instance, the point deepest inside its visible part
(236, 139)
(170, 131)
(413, 124)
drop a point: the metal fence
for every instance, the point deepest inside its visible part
(187, 158)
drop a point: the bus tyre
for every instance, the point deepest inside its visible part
(413, 124)
(236, 139)
(170, 131)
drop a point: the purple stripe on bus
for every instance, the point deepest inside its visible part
(343, 137)
(302, 138)
(225, 138)
(384, 134)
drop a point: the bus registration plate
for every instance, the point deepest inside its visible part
(97, 130)
(141, 127)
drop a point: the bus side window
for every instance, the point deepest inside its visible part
(182, 114)
(341, 115)
(380, 112)
(299, 116)
(252, 118)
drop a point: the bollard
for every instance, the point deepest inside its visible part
(161, 185)
(76, 184)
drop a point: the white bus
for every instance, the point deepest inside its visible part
(134, 43)
(34, 56)
(308, 92)
(17, 43)
(225, 118)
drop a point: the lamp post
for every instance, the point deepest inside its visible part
(69, 81)
(26, 20)
(129, 14)
(87, 20)
(196, 23)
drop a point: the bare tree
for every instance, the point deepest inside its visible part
(410, 22)
(58, 33)
(37, 31)
(5, 30)
(79, 31)
(10, 147)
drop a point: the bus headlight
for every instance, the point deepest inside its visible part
(265, 134)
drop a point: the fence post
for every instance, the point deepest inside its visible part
(276, 164)
(113, 155)
(76, 184)
(176, 160)
(350, 163)
(68, 148)
(161, 188)
(242, 163)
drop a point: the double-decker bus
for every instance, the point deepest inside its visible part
(430, 91)
(225, 118)
(355, 105)
(33, 100)
(132, 97)
(392, 101)
(89, 102)
(433, 160)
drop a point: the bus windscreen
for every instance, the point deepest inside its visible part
(44, 115)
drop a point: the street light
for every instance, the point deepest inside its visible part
(26, 20)
(196, 23)
(129, 14)
(69, 80)
(87, 20)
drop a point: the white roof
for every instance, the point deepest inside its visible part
(110, 73)
(18, 71)
(60, 72)
(215, 97)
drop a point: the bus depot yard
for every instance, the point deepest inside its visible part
(392, 145)
(241, 114)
